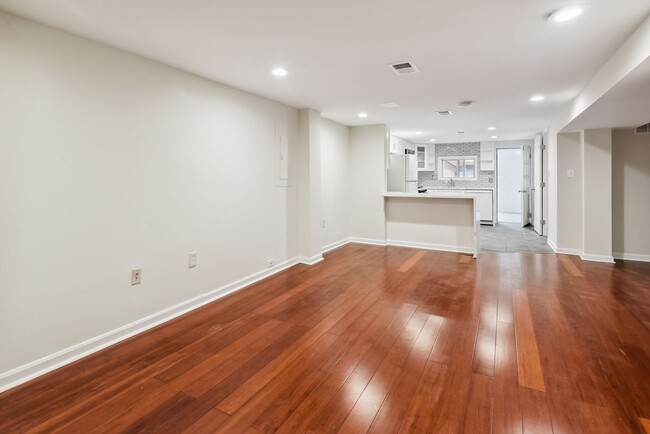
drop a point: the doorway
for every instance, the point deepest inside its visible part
(510, 173)
(517, 173)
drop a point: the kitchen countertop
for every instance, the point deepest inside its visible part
(431, 195)
(459, 189)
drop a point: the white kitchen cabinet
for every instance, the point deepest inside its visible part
(487, 156)
(431, 157)
(421, 154)
(484, 204)
(426, 155)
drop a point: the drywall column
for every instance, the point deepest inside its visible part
(309, 187)
(368, 146)
(597, 195)
(569, 193)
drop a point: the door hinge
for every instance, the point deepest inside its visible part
(542, 147)
(542, 222)
(542, 184)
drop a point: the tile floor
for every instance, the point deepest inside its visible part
(511, 238)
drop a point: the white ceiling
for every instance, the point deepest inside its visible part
(497, 53)
(626, 105)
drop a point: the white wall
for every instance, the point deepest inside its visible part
(335, 181)
(309, 186)
(509, 180)
(569, 193)
(551, 189)
(631, 194)
(368, 146)
(597, 195)
(110, 162)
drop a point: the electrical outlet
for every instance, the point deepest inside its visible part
(570, 173)
(323, 222)
(191, 260)
(270, 263)
(136, 276)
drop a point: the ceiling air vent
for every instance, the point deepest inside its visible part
(389, 104)
(404, 68)
(445, 113)
(643, 129)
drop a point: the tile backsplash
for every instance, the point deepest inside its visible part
(485, 179)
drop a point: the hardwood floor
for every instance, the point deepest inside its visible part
(377, 339)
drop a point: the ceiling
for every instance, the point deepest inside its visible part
(497, 53)
(626, 105)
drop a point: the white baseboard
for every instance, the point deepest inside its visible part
(412, 244)
(574, 252)
(631, 257)
(427, 246)
(335, 245)
(562, 251)
(370, 241)
(68, 355)
(312, 260)
(597, 258)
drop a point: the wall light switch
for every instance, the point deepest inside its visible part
(570, 173)
(191, 261)
(136, 276)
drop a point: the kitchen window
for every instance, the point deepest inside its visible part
(457, 167)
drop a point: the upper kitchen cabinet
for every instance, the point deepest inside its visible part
(426, 157)
(397, 145)
(487, 156)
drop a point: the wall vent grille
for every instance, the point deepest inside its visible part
(643, 129)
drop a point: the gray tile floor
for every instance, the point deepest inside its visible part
(511, 238)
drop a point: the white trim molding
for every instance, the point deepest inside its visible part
(310, 261)
(369, 241)
(68, 355)
(335, 245)
(631, 257)
(561, 251)
(597, 258)
(427, 246)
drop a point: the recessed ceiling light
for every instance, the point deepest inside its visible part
(566, 14)
(465, 103)
(363, 115)
(418, 132)
(537, 98)
(279, 72)
(495, 137)
(432, 140)
(461, 132)
(445, 113)
(389, 104)
(492, 128)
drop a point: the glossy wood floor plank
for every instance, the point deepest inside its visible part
(411, 262)
(645, 423)
(570, 266)
(529, 367)
(376, 339)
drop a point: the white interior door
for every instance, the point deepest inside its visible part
(525, 184)
(537, 190)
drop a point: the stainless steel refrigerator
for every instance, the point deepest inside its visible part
(403, 172)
